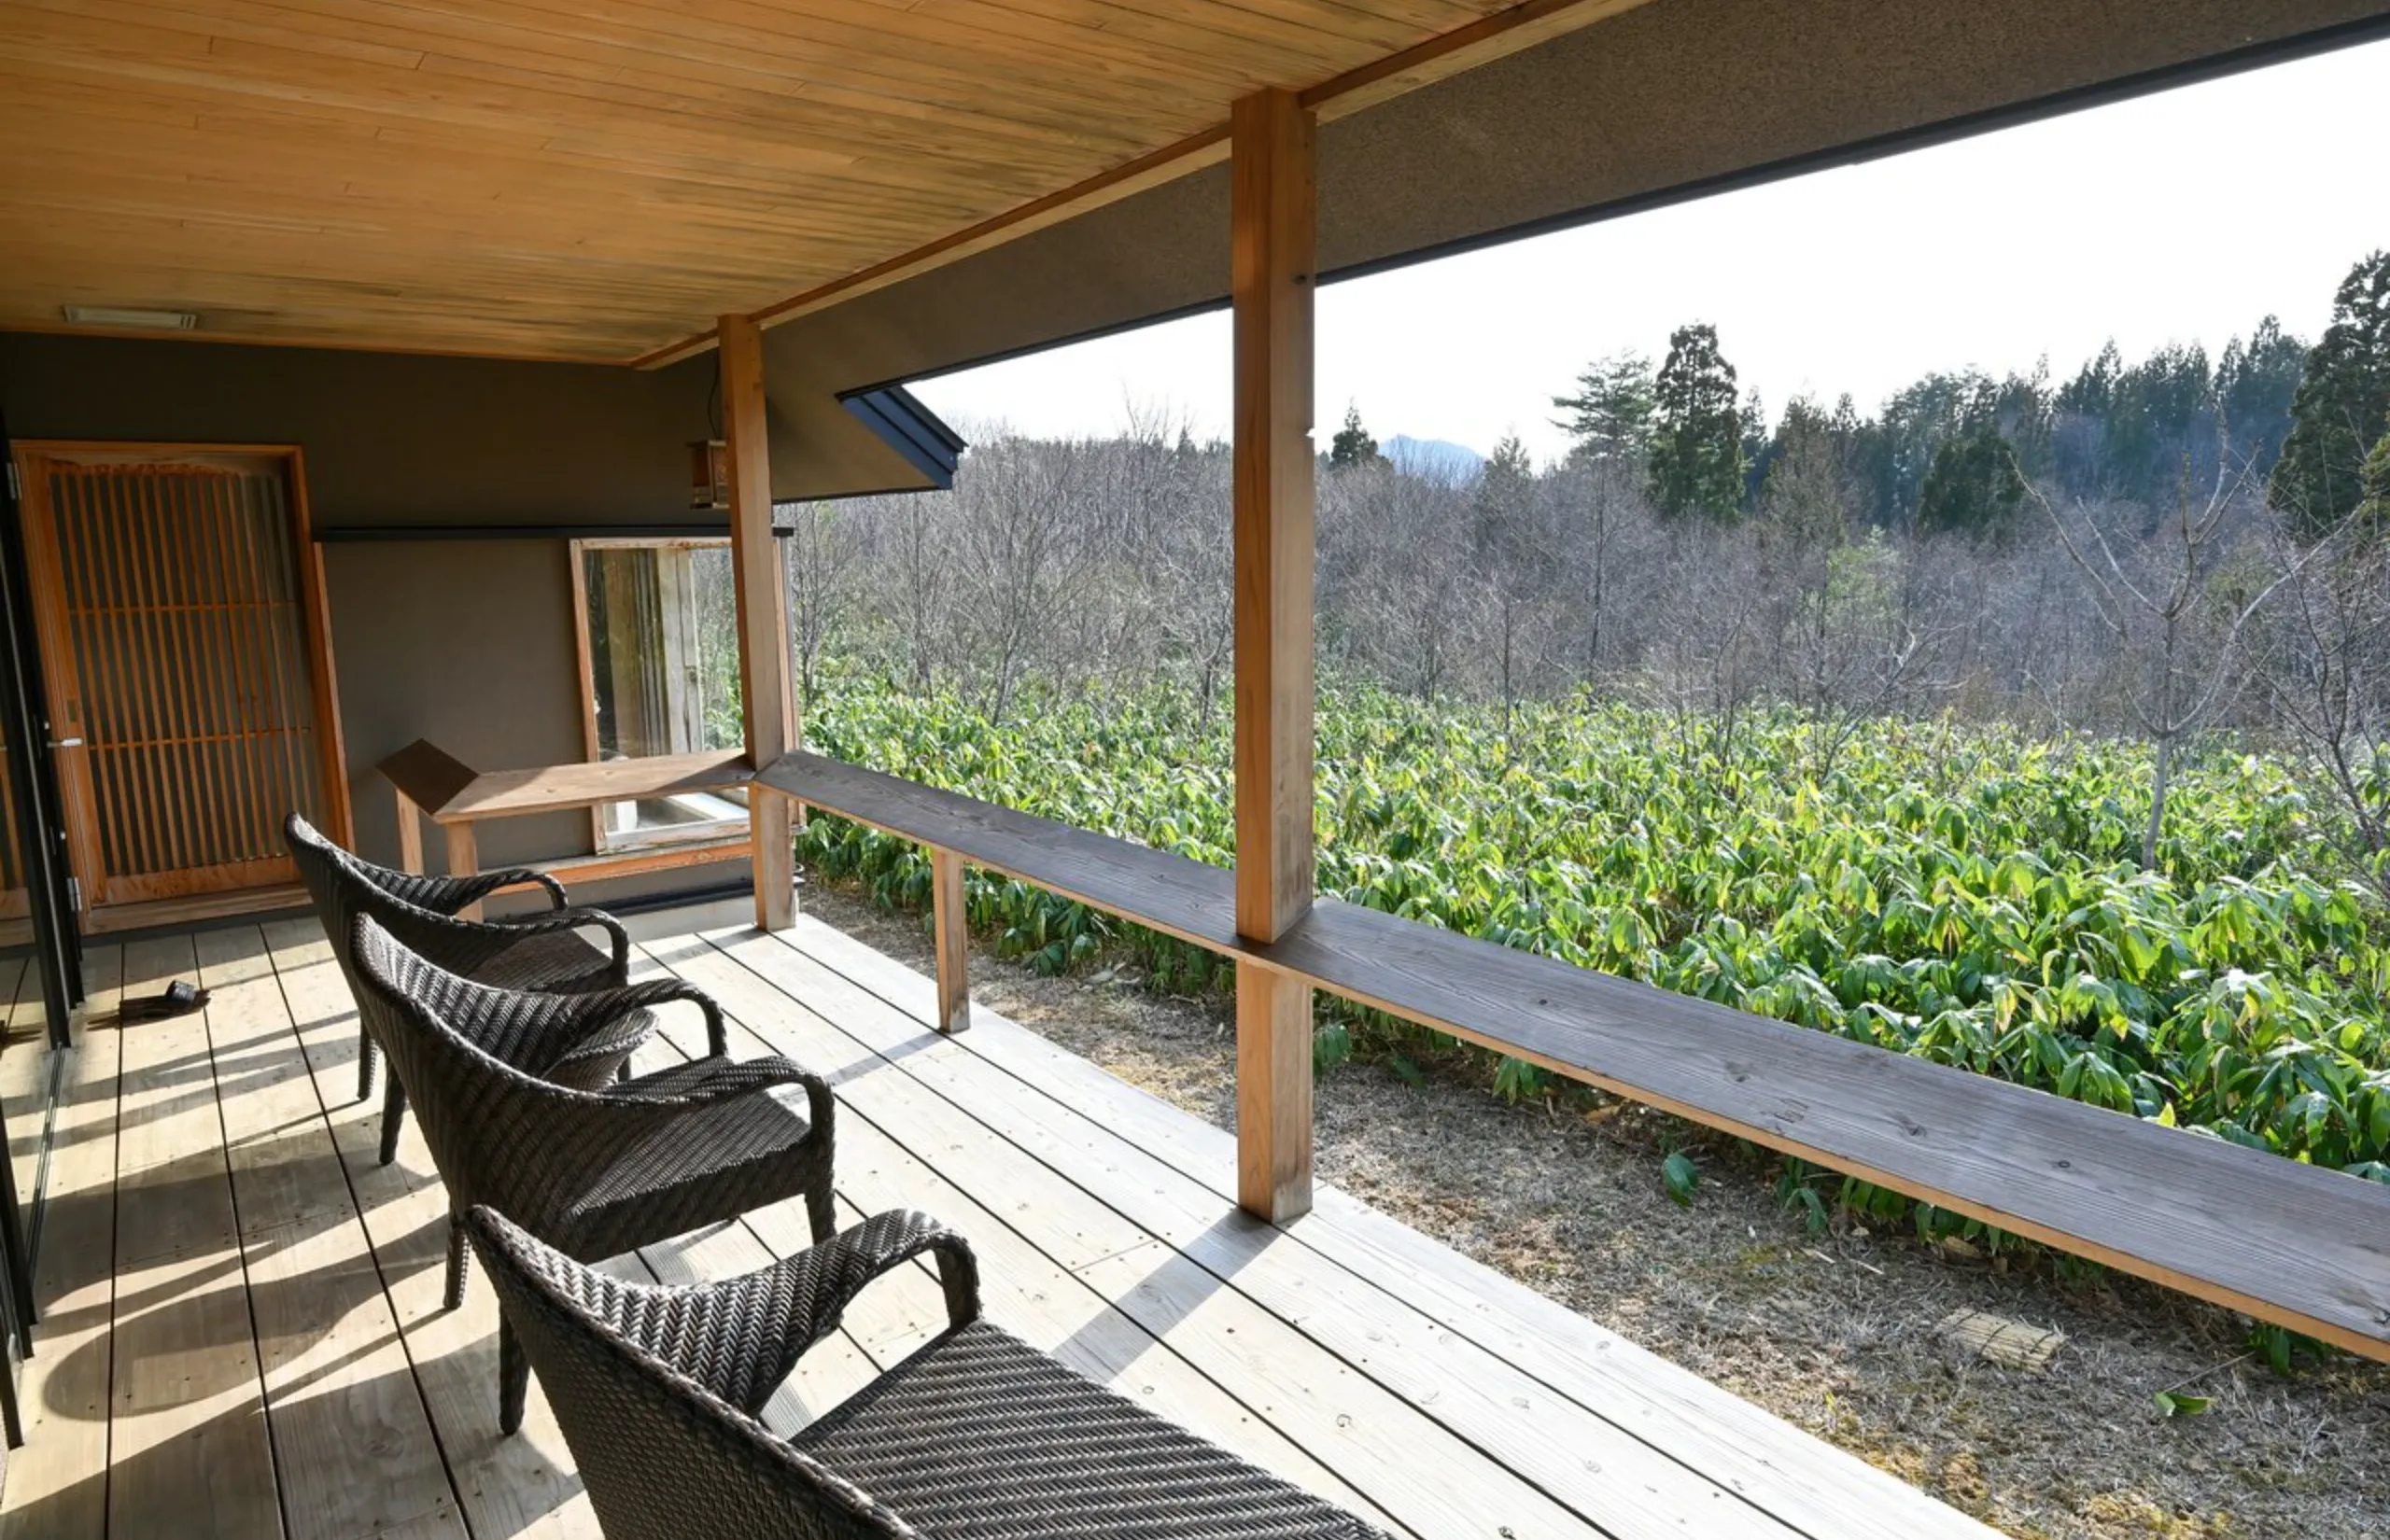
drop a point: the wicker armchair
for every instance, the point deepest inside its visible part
(542, 951)
(976, 1436)
(596, 1173)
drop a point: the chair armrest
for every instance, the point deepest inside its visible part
(571, 918)
(446, 895)
(624, 999)
(741, 1337)
(725, 1079)
(557, 897)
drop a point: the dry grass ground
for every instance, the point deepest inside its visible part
(1834, 1332)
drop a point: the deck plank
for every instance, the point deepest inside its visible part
(1023, 1287)
(1600, 1470)
(352, 1440)
(1039, 1300)
(1405, 1461)
(1799, 1478)
(254, 1299)
(852, 1356)
(189, 1449)
(523, 1486)
(58, 1482)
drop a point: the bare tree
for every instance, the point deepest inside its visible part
(1191, 574)
(1601, 499)
(1706, 666)
(818, 562)
(1846, 615)
(2177, 615)
(1514, 571)
(1395, 565)
(1019, 570)
(2326, 668)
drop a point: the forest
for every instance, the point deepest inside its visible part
(2034, 724)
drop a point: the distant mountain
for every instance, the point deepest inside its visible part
(1438, 459)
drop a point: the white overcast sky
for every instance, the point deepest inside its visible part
(2182, 216)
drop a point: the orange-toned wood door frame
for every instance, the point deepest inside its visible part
(191, 780)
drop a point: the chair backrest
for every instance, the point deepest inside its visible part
(342, 886)
(481, 1116)
(320, 861)
(662, 1457)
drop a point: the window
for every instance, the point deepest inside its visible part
(659, 668)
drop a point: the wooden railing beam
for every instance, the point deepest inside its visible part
(2299, 1245)
(1272, 186)
(762, 597)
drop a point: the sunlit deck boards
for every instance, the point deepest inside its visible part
(244, 1335)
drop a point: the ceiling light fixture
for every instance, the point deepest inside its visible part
(154, 320)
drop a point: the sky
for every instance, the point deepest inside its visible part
(2184, 216)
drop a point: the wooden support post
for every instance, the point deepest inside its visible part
(1272, 202)
(952, 924)
(464, 859)
(410, 835)
(763, 615)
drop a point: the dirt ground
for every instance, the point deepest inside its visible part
(1834, 1332)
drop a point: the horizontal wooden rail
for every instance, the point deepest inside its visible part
(431, 783)
(634, 864)
(2279, 1241)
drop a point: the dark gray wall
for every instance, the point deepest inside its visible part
(467, 643)
(391, 439)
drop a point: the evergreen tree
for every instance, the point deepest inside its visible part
(1807, 495)
(1759, 448)
(2343, 393)
(2079, 425)
(1353, 448)
(2374, 511)
(2255, 382)
(2026, 412)
(2093, 389)
(1505, 490)
(1610, 416)
(1974, 486)
(2161, 426)
(1696, 453)
(1898, 449)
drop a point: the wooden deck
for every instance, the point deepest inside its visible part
(243, 1338)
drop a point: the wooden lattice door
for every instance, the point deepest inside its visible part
(179, 602)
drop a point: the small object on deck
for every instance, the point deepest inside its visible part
(2010, 1344)
(178, 998)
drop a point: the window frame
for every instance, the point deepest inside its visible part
(604, 841)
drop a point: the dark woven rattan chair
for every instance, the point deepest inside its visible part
(595, 1173)
(543, 951)
(976, 1436)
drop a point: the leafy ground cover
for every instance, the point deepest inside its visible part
(1961, 893)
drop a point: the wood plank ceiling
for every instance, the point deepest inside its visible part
(582, 179)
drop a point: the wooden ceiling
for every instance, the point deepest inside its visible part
(588, 179)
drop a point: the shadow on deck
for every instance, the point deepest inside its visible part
(243, 1336)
